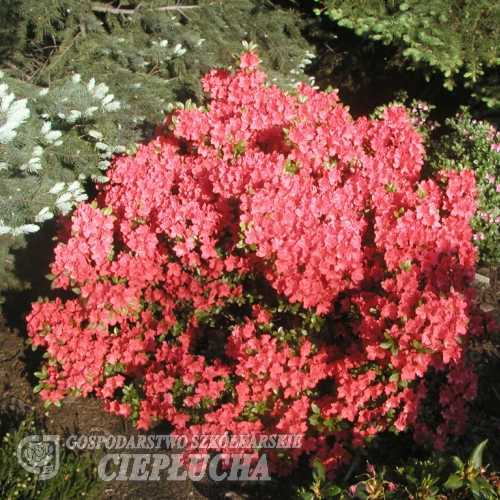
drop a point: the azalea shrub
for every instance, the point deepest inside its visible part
(475, 145)
(268, 265)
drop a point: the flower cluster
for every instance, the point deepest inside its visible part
(270, 266)
(474, 145)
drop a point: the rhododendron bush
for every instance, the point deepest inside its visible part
(270, 266)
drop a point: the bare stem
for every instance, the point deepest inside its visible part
(129, 12)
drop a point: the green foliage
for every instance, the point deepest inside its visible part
(436, 478)
(49, 135)
(77, 476)
(83, 81)
(459, 40)
(51, 140)
(475, 145)
(320, 487)
(150, 53)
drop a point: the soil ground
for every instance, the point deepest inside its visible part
(86, 416)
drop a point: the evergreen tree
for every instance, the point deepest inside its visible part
(459, 40)
(83, 81)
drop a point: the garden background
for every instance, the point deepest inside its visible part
(84, 81)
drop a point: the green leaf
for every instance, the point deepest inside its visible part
(484, 484)
(406, 265)
(476, 492)
(318, 470)
(476, 456)
(330, 491)
(315, 408)
(458, 463)
(434, 490)
(454, 482)
(363, 495)
(307, 496)
(132, 149)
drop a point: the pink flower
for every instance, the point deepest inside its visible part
(249, 60)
